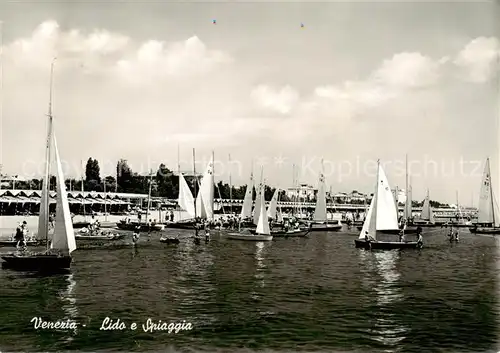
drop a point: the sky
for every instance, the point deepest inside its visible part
(272, 84)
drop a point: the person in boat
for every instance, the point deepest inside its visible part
(51, 221)
(19, 237)
(207, 233)
(420, 240)
(136, 234)
(368, 237)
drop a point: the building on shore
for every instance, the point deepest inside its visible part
(17, 202)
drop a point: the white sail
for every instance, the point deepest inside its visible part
(486, 211)
(427, 214)
(258, 203)
(262, 222)
(387, 215)
(320, 210)
(370, 223)
(246, 210)
(205, 200)
(64, 235)
(273, 205)
(186, 199)
(43, 218)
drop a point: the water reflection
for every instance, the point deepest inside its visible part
(194, 279)
(388, 294)
(259, 257)
(367, 268)
(68, 299)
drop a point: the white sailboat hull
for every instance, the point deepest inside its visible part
(250, 237)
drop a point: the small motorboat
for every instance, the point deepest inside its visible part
(97, 235)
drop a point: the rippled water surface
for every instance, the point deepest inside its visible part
(304, 294)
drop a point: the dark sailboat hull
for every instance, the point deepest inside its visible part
(36, 262)
(324, 227)
(484, 230)
(170, 240)
(386, 245)
(131, 226)
(408, 230)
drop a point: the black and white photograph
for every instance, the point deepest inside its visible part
(250, 176)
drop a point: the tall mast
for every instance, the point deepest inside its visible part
(407, 205)
(179, 173)
(83, 190)
(105, 202)
(376, 195)
(47, 156)
(429, 208)
(293, 186)
(195, 195)
(214, 185)
(491, 192)
(149, 194)
(230, 188)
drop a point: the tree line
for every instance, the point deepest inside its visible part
(164, 183)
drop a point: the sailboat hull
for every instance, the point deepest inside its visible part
(249, 237)
(167, 240)
(484, 230)
(325, 226)
(36, 262)
(408, 230)
(290, 233)
(386, 245)
(108, 237)
(184, 224)
(131, 226)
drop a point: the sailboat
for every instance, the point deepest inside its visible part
(246, 209)
(426, 218)
(381, 215)
(262, 232)
(487, 218)
(272, 215)
(408, 211)
(320, 220)
(58, 256)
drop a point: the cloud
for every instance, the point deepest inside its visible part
(48, 41)
(156, 58)
(478, 61)
(407, 70)
(406, 86)
(281, 100)
(100, 51)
